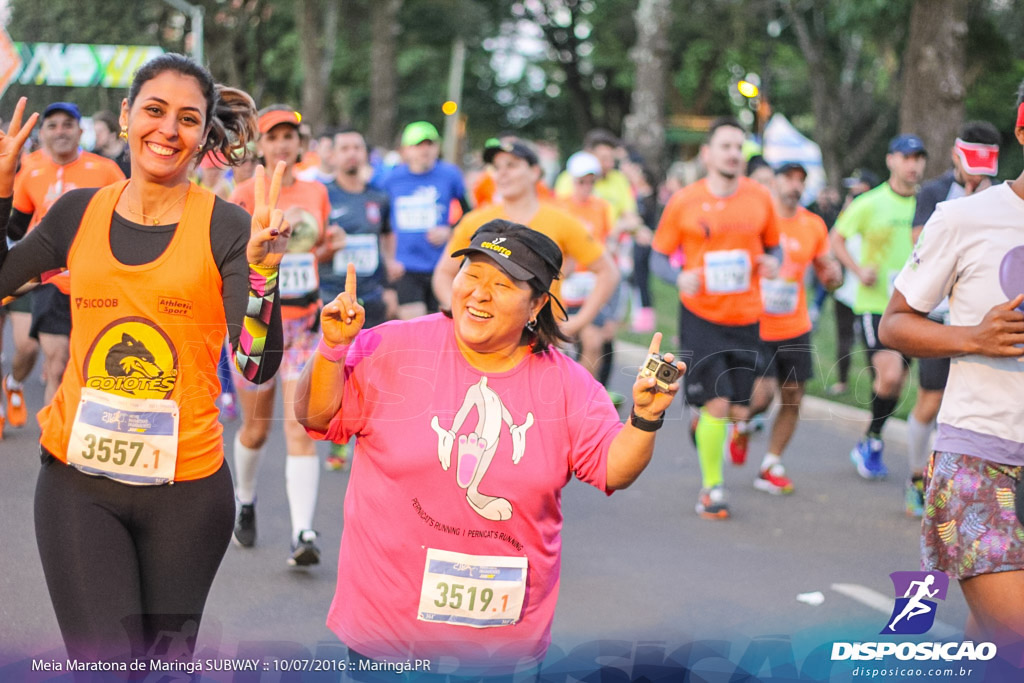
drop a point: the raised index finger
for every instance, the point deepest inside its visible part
(350, 281)
(655, 343)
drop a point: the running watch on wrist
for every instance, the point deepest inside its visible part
(645, 425)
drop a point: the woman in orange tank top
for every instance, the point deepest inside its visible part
(159, 270)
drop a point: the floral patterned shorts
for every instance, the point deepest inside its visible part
(970, 526)
(301, 336)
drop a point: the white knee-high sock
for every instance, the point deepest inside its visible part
(302, 480)
(918, 443)
(247, 466)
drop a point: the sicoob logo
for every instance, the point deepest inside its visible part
(914, 612)
(132, 357)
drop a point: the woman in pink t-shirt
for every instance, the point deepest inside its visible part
(469, 425)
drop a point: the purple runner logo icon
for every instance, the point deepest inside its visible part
(916, 592)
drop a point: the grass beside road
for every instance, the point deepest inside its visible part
(826, 369)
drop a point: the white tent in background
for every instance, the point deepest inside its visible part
(782, 142)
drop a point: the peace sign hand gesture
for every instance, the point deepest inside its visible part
(270, 232)
(341, 319)
(11, 143)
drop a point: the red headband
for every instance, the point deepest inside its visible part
(977, 158)
(1020, 115)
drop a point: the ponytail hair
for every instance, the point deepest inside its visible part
(230, 113)
(232, 126)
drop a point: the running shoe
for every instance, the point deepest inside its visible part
(711, 503)
(17, 415)
(836, 389)
(914, 498)
(867, 457)
(228, 407)
(337, 459)
(245, 526)
(643, 320)
(305, 553)
(774, 480)
(738, 445)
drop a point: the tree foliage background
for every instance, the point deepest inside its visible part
(552, 69)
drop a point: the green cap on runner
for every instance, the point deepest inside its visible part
(417, 132)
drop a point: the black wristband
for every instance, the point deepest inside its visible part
(645, 425)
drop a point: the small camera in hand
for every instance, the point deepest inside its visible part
(663, 372)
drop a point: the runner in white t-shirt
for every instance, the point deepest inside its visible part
(972, 250)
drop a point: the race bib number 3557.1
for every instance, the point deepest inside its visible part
(131, 440)
(480, 591)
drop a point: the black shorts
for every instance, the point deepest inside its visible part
(932, 373)
(869, 323)
(51, 312)
(23, 304)
(790, 360)
(722, 361)
(414, 288)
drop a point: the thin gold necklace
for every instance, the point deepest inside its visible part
(156, 219)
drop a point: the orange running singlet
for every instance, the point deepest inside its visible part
(152, 331)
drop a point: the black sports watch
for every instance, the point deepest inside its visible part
(645, 425)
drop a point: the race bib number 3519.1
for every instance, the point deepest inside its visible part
(480, 591)
(131, 440)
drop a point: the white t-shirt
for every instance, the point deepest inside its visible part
(959, 254)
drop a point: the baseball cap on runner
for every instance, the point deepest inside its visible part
(787, 166)
(68, 108)
(522, 252)
(275, 115)
(861, 175)
(583, 164)
(516, 148)
(907, 145)
(419, 131)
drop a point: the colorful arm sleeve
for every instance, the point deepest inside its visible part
(249, 354)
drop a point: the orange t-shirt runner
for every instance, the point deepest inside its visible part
(156, 336)
(307, 209)
(41, 182)
(804, 237)
(723, 236)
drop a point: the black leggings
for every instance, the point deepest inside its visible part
(129, 567)
(846, 332)
(641, 278)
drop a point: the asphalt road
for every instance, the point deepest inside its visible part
(645, 582)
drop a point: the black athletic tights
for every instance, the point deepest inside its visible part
(129, 567)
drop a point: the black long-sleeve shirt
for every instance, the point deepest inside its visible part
(46, 248)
